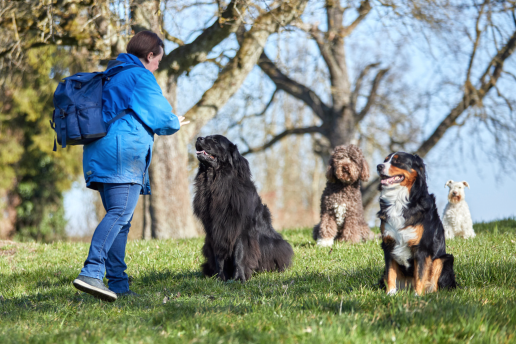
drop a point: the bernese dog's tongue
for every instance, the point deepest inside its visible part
(391, 180)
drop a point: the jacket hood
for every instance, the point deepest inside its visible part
(130, 58)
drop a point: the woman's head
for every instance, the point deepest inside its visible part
(148, 47)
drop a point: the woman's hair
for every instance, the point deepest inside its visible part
(143, 43)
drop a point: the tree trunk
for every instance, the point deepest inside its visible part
(167, 212)
(8, 203)
(170, 203)
(170, 207)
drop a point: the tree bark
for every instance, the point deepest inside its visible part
(170, 208)
(167, 211)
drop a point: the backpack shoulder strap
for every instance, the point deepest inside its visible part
(114, 63)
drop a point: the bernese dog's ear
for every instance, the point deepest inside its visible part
(448, 183)
(364, 175)
(330, 172)
(419, 166)
(419, 188)
(466, 184)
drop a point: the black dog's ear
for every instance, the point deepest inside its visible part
(234, 154)
(238, 162)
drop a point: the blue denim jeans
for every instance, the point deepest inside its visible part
(107, 250)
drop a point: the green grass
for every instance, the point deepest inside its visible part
(328, 296)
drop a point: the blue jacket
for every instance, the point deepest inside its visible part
(124, 154)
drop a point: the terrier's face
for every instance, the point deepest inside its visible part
(456, 193)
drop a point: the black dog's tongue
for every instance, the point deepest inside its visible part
(204, 153)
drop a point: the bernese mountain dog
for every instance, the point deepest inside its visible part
(412, 233)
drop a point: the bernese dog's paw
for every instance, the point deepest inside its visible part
(392, 292)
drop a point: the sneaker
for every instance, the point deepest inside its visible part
(129, 293)
(94, 287)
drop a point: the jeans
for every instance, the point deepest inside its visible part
(107, 250)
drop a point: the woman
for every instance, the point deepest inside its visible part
(117, 164)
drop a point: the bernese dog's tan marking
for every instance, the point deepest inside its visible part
(409, 177)
(422, 275)
(437, 268)
(412, 233)
(395, 278)
(418, 230)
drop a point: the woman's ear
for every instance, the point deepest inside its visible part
(364, 175)
(149, 56)
(330, 172)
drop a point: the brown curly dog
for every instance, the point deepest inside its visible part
(342, 213)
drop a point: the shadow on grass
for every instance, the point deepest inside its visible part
(344, 291)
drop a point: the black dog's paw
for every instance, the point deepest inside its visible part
(240, 277)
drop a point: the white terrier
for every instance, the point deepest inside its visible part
(456, 215)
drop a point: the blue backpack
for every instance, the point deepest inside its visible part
(77, 117)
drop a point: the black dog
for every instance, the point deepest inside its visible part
(239, 234)
(412, 233)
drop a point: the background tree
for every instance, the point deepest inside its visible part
(102, 28)
(478, 36)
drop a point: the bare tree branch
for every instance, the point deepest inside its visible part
(285, 133)
(326, 52)
(372, 94)
(171, 38)
(292, 87)
(186, 56)
(363, 11)
(471, 97)
(238, 123)
(231, 78)
(478, 33)
(358, 83)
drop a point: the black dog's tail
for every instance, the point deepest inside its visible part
(276, 252)
(447, 278)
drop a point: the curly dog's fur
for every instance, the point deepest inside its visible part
(342, 213)
(239, 234)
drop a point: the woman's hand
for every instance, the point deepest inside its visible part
(182, 121)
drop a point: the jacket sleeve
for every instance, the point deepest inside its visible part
(148, 102)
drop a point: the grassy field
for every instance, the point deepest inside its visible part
(328, 296)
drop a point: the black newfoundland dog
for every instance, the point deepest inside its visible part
(239, 234)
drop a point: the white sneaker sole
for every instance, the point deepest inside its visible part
(104, 295)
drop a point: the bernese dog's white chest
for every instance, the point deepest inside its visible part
(401, 252)
(395, 229)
